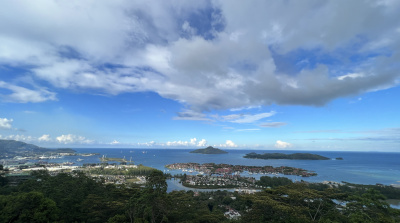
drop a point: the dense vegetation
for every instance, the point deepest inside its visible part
(209, 150)
(294, 156)
(77, 198)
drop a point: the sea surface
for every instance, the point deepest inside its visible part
(356, 167)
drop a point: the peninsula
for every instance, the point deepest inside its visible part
(209, 150)
(294, 156)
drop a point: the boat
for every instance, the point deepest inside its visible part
(43, 157)
(79, 159)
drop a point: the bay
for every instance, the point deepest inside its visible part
(356, 167)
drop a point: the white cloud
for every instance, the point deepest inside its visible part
(247, 130)
(115, 142)
(44, 138)
(148, 144)
(193, 142)
(228, 143)
(24, 95)
(73, 139)
(5, 123)
(351, 76)
(202, 143)
(248, 118)
(127, 46)
(19, 138)
(282, 145)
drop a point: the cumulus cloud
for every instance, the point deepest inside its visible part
(221, 63)
(282, 145)
(19, 138)
(148, 144)
(6, 123)
(73, 139)
(202, 143)
(115, 142)
(228, 143)
(192, 142)
(179, 143)
(44, 138)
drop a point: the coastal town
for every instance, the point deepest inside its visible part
(212, 168)
(108, 173)
(212, 176)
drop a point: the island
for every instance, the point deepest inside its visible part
(294, 156)
(209, 150)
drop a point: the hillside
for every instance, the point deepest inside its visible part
(209, 150)
(11, 148)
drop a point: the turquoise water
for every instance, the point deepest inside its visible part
(356, 167)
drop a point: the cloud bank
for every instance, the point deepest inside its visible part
(242, 54)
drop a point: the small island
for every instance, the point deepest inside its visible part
(294, 156)
(209, 150)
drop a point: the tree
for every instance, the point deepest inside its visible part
(370, 207)
(150, 204)
(156, 182)
(28, 207)
(3, 180)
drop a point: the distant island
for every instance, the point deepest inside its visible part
(294, 156)
(209, 150)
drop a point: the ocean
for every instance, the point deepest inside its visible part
(356, 167)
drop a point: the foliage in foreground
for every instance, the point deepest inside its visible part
(78, 198)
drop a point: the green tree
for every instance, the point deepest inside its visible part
(3, 180)
(370, 207)
(156, 182)
(28, 207)
(150, 204)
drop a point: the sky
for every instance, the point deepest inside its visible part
(273, 75)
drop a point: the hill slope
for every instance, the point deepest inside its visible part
(11, 148)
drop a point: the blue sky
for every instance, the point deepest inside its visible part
(297, 75)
